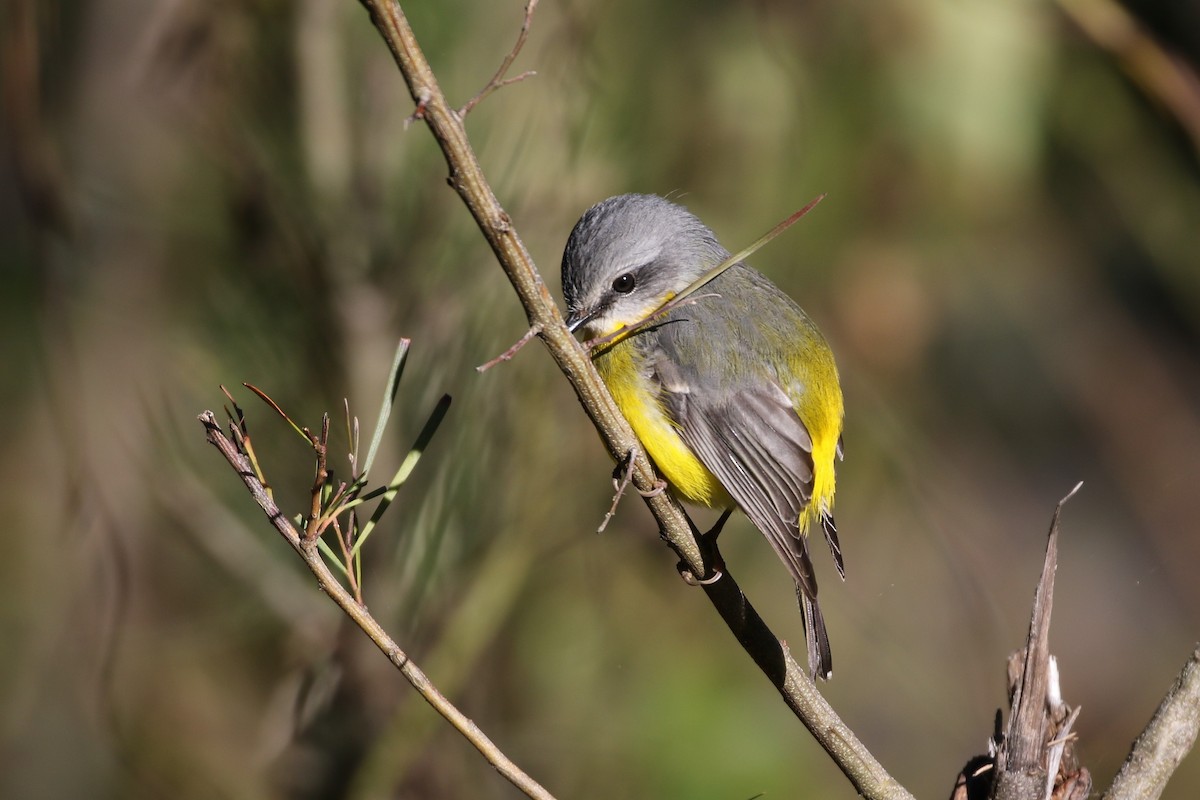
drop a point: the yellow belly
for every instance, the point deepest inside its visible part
(638, 400)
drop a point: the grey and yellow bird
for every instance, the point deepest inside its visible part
(734, 394)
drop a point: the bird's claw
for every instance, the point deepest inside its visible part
(660, 486)
(691, 579)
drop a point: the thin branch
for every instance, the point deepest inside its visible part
(1165, 741)
(508, 354)
(329, 584)
(498, 80)
(467, 178)
(619, 487)
(314, 527)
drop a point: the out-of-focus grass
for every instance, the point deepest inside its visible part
(209, 193)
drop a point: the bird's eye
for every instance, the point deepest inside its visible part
(623, 284)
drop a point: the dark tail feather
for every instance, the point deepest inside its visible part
(831, 538)
(820, 657)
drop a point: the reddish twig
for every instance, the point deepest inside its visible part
(512, 351)
(418, 112)
(619, 487)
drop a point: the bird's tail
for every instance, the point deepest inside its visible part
(820, 657)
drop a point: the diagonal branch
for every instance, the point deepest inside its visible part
(1165, 741)
(307, 548)
(467, 178)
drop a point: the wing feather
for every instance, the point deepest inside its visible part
(757, 447)
(751, 438)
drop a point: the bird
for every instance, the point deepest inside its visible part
(734, 393)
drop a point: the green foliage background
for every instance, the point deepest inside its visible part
(203, 192)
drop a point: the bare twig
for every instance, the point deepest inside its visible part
(329, 584)
(313, 527)
(622, 480)
(498, 80)
(769, 653)
(619, 487)
(512, 351)
(217, 531)
(1165, 741)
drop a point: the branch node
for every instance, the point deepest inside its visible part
(419, 112)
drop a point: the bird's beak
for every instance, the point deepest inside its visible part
(578, 318)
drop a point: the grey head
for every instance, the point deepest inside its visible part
(627, 255)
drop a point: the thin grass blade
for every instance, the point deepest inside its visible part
(389, 399)
(406, 468)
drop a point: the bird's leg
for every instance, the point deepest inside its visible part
(622, 479)
(708, 544)
(660, 486)
(690, 578)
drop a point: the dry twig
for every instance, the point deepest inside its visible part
(306, 546)
(508, 354)
(498, 80)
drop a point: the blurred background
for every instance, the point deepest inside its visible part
(198, 193)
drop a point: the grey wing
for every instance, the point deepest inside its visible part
(755, 444)
(761, 453)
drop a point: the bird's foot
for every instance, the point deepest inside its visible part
(690, 578)
(622, 479)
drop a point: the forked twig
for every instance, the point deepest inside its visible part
(307, 548)
(498, 80)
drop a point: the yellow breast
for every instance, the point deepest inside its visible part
(638, 400)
